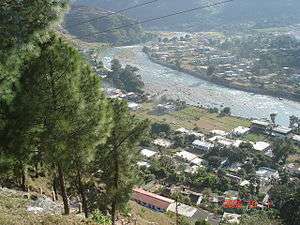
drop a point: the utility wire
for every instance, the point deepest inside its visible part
(117, 12)
(162, 17)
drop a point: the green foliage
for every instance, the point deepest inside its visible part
(286, 198)
(125, 78)
(158, 128)
(37, 15)
(183, 221)
(202, 222)
(118, 156)
(225, 111)
(93, 31)
(259, 218)
(20, 22)
(281, 150)
(99, 218)
(205, 179)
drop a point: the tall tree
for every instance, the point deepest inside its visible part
(93, 126)
(117, 158)
(57, 85)
(19, 22)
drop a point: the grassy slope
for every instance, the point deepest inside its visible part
(13, 212)
(193, 117)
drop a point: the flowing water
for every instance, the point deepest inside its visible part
(162, 80)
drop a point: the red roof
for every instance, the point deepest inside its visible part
(151, 199)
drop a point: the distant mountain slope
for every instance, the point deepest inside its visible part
(258, 13)
(91, 31)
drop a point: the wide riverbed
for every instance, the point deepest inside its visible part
(161, 80)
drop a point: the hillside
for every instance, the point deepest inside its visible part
(91, 31)
(254, 13)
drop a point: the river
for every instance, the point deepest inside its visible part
(174, 84)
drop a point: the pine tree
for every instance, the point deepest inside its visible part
(20, 23)
(117, 158)
(65, 100)
(92, 128)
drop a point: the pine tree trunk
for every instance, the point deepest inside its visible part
(83, 197)
(116, 181)
(23, 179)
(63, 189)
(113, 212)
(54, 186)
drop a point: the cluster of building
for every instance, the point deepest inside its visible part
(134, 100)
(192, 158)
(197, 52)
(163, 204)
(200, 51)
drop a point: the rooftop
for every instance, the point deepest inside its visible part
(265, 172)
(143, 164)
(282, 130)
(151, 198)
(190, 157)
(189, 132)
(183, 210)
(296, 138)
(231, 218)
(162, 142)
(261, 122)
(219, 132)
(261, 146)
(205, 144)
(240, 130)
(148, 153)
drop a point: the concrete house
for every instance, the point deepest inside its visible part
(281, 132)
(259, 126)
(151, 200)
(202, 145)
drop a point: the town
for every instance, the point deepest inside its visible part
(149, 112)
(211, 170)
(262, 63)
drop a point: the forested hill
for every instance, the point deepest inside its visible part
(254, 13)
(93, 31)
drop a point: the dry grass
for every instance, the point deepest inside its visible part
(13, 212)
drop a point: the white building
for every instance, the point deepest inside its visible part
(191, 169)
(202, 145)
(266, 174)
(162, 142)
(231, 218)
(240, 130)
(218, 132)
(148, 153)
(190, 132)
(143, 164)
(133, 106)
(281, 132)
(225, 141)
(190, 157)
(261, 146)
(296, 139)
(182, 209)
